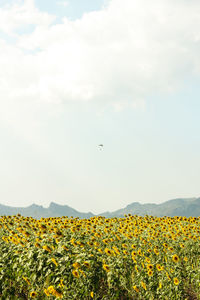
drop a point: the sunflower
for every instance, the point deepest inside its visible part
(33, 294)
(150, 267)
(75, 273)
(171, 249)
(143, 285)
(108, 251)
(136, 288)
(76, 265)
(133, 253)
(106, 268)
(105, 241)
(65, 248)
(47, 248)
(57, 294)
(156, 251)
(54, 261)
(136, 269)
(87, 264)
(116, 250)
(175, 258)
(159, 267)
(82, 272)
(147, 259)
(176, 281)
(46, 292)
(61, 285)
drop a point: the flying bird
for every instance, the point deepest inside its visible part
(101, 146)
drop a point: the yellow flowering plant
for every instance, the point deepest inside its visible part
(99, 258)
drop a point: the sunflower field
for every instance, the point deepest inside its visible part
(98, 258)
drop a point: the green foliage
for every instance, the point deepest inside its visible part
(98, 258)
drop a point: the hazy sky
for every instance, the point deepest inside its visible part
(78, 73)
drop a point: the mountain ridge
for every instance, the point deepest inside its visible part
(174, 207)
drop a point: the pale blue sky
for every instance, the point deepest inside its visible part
(73, 10)
(82, 89)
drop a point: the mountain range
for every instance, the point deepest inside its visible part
(176, 207)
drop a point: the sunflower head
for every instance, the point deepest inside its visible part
(175, 258)
(106, 268)
(176, 281)
(33, 294)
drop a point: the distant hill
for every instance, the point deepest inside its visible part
(38, 211)
(176, 207)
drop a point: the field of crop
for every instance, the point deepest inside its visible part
(120, 258)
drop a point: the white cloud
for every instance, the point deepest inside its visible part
(125, 52)
(21, 13)
(63, 3)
